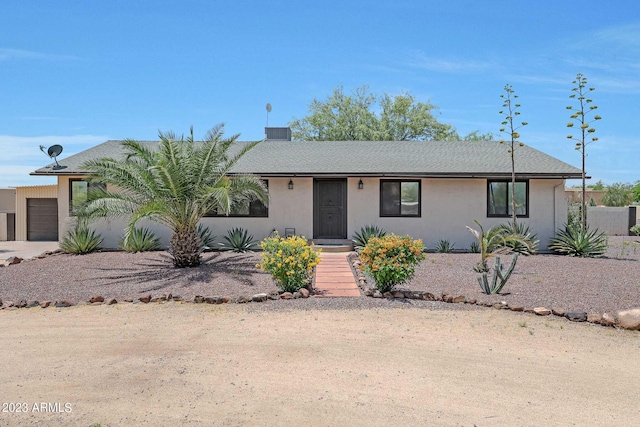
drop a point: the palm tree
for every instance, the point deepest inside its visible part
(175, 184)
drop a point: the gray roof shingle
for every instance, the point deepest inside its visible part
(373, 158)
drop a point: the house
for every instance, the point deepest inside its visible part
(330, 189)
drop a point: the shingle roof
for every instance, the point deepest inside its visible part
(361, 158)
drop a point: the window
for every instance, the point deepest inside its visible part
(499, 198)
(253, 208)
(78, 189)
(399, 198)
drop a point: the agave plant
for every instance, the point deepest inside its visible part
(238, 240)
(140, 239)
(444, 246)
(81, 241)
(519, 238)
(575, 240)
(207, 239)
(361, 239)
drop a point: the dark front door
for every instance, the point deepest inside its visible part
(330, 209)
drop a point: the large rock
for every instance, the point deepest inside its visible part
(608, 320)
(558, 311)
(96, 299)
(304, 292)
(13, 260)
(594, 318)
(578, 316)
(428, 296)
(286, 295)
(146, 299)
(629, 319)
(259, 297)
(459, 299)
(63, 303)
(0, 302)
(45, 304)
(542, 311)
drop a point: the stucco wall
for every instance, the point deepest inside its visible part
(287, 209)
(7, 200)
(448, 205)
(24, 193)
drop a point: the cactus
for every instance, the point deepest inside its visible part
(498, 273)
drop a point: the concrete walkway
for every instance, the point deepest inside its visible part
(25, 250)
(334, 277)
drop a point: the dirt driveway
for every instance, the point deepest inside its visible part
(203, 365)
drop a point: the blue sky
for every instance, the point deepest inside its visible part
(77, 73)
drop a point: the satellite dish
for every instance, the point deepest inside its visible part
(53, 152)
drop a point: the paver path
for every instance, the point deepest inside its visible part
(334, 277)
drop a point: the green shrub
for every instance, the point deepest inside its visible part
(576, 241)
(290, 261)
(81, 241)
(474, 248)
(140, 240)
(390, 260)
(444, 246)
(207, 239)
(361, 239)
(635, 230)
(519, 239)
(237, 240)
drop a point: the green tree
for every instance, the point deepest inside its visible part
(363, 116)
(404, 119)
(510, 128)
(476, 135)
(580, 114)
(599, 185)
(175, 184)
(618, 194)
(636, 192)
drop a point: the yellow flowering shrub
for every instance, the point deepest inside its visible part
(391, 260)
(290, 261)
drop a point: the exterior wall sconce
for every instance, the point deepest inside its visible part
(360, 185)
(290, 184)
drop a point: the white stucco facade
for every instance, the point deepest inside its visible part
(447, 206)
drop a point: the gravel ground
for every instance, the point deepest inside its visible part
(592, 285)
(574, 284)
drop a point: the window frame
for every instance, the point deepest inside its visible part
(508, 205)
(72, 212)
(400, 215)
(232, 215)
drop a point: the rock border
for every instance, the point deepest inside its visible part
(625, 319)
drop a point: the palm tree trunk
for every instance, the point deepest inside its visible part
(185, 248)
